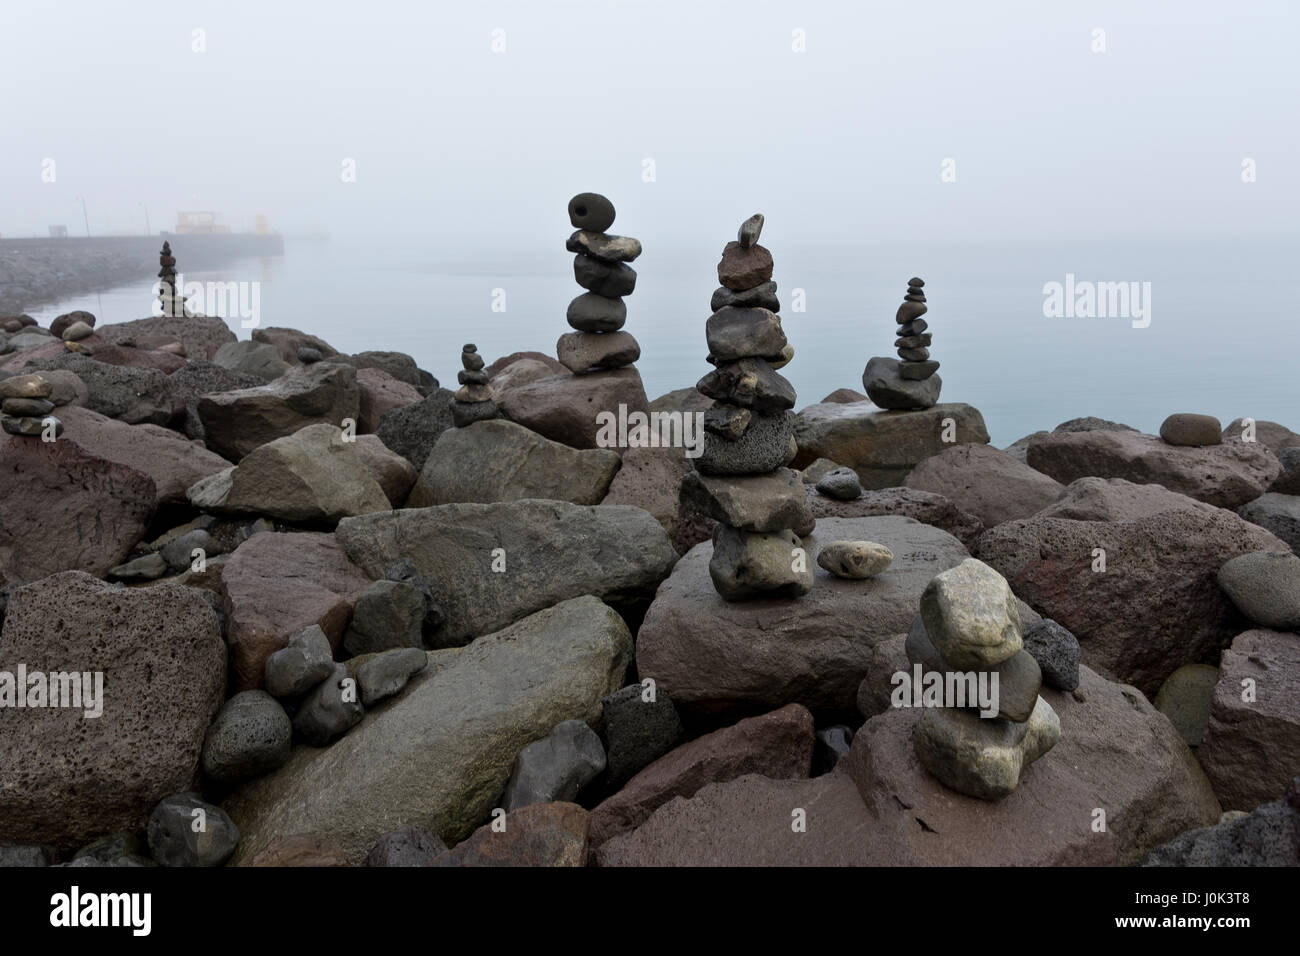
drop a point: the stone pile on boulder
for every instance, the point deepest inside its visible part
(971, 625)
(910, 381)
(25, 407)
(601, 267)
(473, 401)
(741, 480)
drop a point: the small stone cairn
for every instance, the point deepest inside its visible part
(910, 381)
(25, 407)
(473, 401)
(970, 623)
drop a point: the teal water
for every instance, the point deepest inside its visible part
(1221, 339)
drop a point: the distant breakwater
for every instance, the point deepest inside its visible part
(35, 272)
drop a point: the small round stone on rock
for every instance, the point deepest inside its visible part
(842, 484)
(175, 839)
(855, 559)
(1191, 430)
(250, 737)
(591, 211)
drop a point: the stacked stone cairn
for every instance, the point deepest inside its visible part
(741, 480)
(169, 296)
(25, 407)
(601, 267)
(473, 401)
(910, 381)
(970, 624)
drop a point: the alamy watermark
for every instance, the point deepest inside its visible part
(624, 429)
(923, 688)
(75, 690)
(1074, 299)
(229, 300)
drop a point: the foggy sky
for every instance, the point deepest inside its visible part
(464, 150)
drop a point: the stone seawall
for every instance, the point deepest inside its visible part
(34, 272)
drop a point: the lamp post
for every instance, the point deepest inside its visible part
(147, 230)
(85, 218)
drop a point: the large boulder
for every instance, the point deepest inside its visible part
(1277, 513)
(564, 407)
(274, 585)
(164, 361)
(539, 835)
(985, 482)
(197, 378)
(1251, 747)
(1116, 754)
(394, 473)
(1271, 435)
(289, 341)
(234, 423)
(66, 777)
(199, 335)
(1156, 606)
(397, 364)
(380, 393)
(258, 360)
(412, 430)
(1226, 475)
(498, 460)
(1116, 499)
(495, 563)
(712, 654)
(651, 478)
(777, 744)
(439, 756)
(63, 508)
(925, 506)
(313, 475)
(134, 395)
(1268, 836)
(165, 456)
(882, 446)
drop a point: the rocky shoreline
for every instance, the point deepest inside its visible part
(37, 272)
(357, 618)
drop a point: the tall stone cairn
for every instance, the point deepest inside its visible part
(909, 381)
(741, 479)
(601, 267)
(474, 400)
(169, 296)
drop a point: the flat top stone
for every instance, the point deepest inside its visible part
(815, 651)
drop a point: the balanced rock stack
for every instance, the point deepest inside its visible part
(601, 267)
(169, 297)
(25, 406)
(970, 624)
(473, 401)
(741, 479)
(909, 381)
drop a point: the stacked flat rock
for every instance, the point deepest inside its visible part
(473, 401)
(910, 380)
(25, 407)
(169, 297)
(601, 267)
(970, 624)
(741, 479)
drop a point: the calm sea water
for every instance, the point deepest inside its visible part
(1221, 339)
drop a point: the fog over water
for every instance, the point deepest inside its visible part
(1117, 166)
